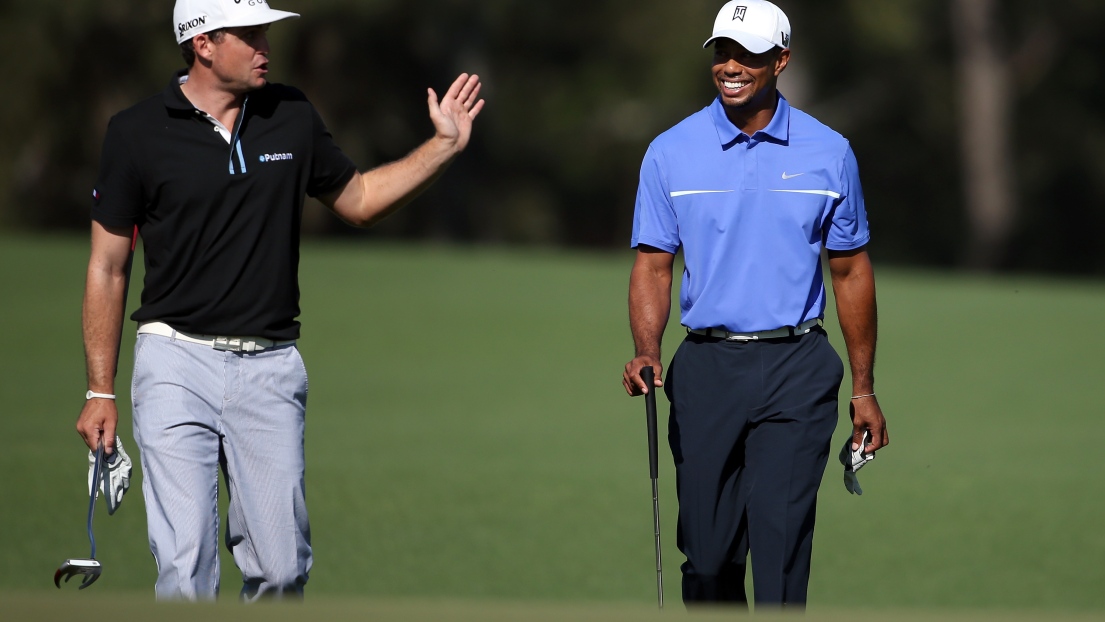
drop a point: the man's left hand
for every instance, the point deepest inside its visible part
(868, 434)
(853, 460)
(867, 416)
(453, 115)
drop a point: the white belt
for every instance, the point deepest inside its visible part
(232, 344)
(786, 331)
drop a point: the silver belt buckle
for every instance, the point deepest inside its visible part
(228, 344)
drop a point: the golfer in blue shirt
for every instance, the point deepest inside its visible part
(751, 190)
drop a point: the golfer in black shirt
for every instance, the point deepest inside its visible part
(213, 173)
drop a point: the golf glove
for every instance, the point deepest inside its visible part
(115, 476)
(853, 460)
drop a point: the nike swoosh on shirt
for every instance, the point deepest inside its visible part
(826, 193)
(785, 176)
(683, 193)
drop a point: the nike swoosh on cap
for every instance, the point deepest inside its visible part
(785, 176)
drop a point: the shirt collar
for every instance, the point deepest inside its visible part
(174, 97)
(778, 129)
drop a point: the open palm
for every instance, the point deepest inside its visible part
(453, 115)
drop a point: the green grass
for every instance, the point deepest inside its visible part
(469, 441)
(124, 607)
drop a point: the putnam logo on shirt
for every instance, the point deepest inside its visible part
(276, 157)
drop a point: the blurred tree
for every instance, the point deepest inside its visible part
(577, 89)
(68, 67)
(985, 128)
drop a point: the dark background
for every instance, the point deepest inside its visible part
(576, 90)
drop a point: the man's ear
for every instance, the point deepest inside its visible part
(204, 46)
(781, 61)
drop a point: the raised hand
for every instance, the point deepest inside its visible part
(453, 115)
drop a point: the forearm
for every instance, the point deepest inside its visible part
(102, 318)
(385, 189)
(649, 308)
(371, 196)
(854, 285)
(857, 310)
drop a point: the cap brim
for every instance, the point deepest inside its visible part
(260, 18)
(257, 18)
(751, 43)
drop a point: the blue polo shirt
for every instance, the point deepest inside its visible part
(751, 215)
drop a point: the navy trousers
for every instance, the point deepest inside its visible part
(750, 428)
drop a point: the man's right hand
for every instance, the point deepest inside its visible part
(631, 378)
(99, 416)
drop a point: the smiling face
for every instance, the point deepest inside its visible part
(747, 81)
(240, 59)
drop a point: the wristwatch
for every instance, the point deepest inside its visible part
(91, 394)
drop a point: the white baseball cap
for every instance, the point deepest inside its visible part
(195, 17)
(758, 25)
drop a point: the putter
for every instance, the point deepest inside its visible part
(90, 568)
(650, 415)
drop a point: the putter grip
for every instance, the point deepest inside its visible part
(650, 415)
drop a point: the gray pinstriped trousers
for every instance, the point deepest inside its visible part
(197, 409)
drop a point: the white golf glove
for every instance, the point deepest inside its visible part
(853, 460)
(115, 476)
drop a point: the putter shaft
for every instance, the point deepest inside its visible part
(659, 565)
(649, 376)
(97, 476)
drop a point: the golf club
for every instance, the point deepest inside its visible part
(650, 415)
(90, 568)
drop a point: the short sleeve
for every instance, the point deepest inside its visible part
(847, 227)
(654, 220)
(331, 169)
(117, 198)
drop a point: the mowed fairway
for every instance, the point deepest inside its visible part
(469, 441)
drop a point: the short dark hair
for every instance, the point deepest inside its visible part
(188, 50)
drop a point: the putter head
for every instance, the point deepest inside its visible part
(90, 568)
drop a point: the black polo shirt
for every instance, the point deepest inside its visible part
(220, 223)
